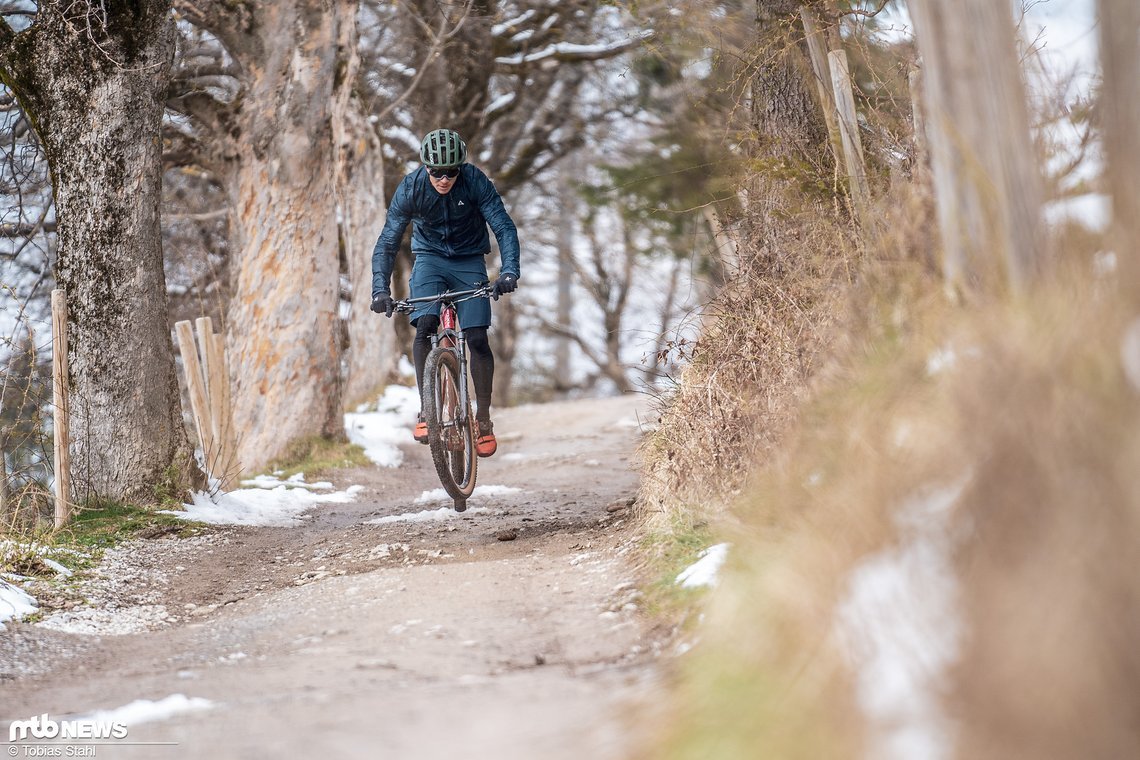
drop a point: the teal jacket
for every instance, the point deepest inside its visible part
(449, 225)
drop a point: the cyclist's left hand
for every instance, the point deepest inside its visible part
(383, 304)
(505, 284)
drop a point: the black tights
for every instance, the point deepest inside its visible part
(479, 351)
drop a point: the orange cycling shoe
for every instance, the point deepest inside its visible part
(420, 433)
(485, 444)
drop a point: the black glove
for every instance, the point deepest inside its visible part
(505, 284)
(383, 304)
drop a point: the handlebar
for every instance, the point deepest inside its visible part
(408, 305)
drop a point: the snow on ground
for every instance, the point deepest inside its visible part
(900, 629)
(438, 495)
(274, 506)
(481, 493)
(14, 603)
(269, 501)
(381, 432)
(1130, 353)
(294, 481)
(429, 515)
(148, 711)
(704, 571)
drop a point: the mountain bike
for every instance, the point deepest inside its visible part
(446, 399)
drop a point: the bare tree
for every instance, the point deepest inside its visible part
(510, 77)
(93, 79)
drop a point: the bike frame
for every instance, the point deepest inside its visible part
(450, 425)
(450, 334)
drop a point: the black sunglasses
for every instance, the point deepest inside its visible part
(441, 172)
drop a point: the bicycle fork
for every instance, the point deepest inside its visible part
(451, 337)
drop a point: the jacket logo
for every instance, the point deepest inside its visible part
(459, 204)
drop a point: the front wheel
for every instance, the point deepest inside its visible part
(450, 433)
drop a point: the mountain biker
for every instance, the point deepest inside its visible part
(450, 203)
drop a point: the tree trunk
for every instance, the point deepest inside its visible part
(1120, 104)
(94, 84)
(283, 315)
(504, 336)
(788, 123)
(372, 355)
(563, 372)
(986, 184)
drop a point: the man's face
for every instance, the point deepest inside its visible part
(442, 185)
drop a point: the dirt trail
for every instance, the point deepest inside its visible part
(344, 638)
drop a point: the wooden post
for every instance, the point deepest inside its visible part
(218, 382)
(817, 54)
(918, 119)
(195, 384)
(849, 133)
(3, 482)
(62, 408)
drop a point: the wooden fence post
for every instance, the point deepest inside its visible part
(207, 379)
(61, 427)
(195, 384)
(3, 482)
(849, 133)
(817, 54)
(218, 390)
(229, 435)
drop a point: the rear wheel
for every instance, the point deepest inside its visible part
(451, 436)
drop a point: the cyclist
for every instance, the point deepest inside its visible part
(450, 203)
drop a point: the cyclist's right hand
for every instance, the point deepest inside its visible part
(383, 304)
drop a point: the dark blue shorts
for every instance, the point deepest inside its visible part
(432, 275)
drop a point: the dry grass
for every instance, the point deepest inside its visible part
(1035, 420)
(763, 337)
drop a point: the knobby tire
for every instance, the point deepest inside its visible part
(452, 444)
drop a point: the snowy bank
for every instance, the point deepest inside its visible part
(279, 506)
(14, 603)
(381, 432)
(704, 571)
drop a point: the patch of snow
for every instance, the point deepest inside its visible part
(14, 603)
(381, 432)
(57, 567)
(278, 507)
(480, 493)
(900, 629)
(149, 711)
(1130, 354)
(294, 481)
(571, 49)
(940, 360)
(429, 515)
(704, 571)
(498, 30)
(9, 547)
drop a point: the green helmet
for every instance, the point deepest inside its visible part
(443, 148)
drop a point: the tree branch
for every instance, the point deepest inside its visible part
(569, 52)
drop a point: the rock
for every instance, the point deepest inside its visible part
(510, 534)
(621, 504)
